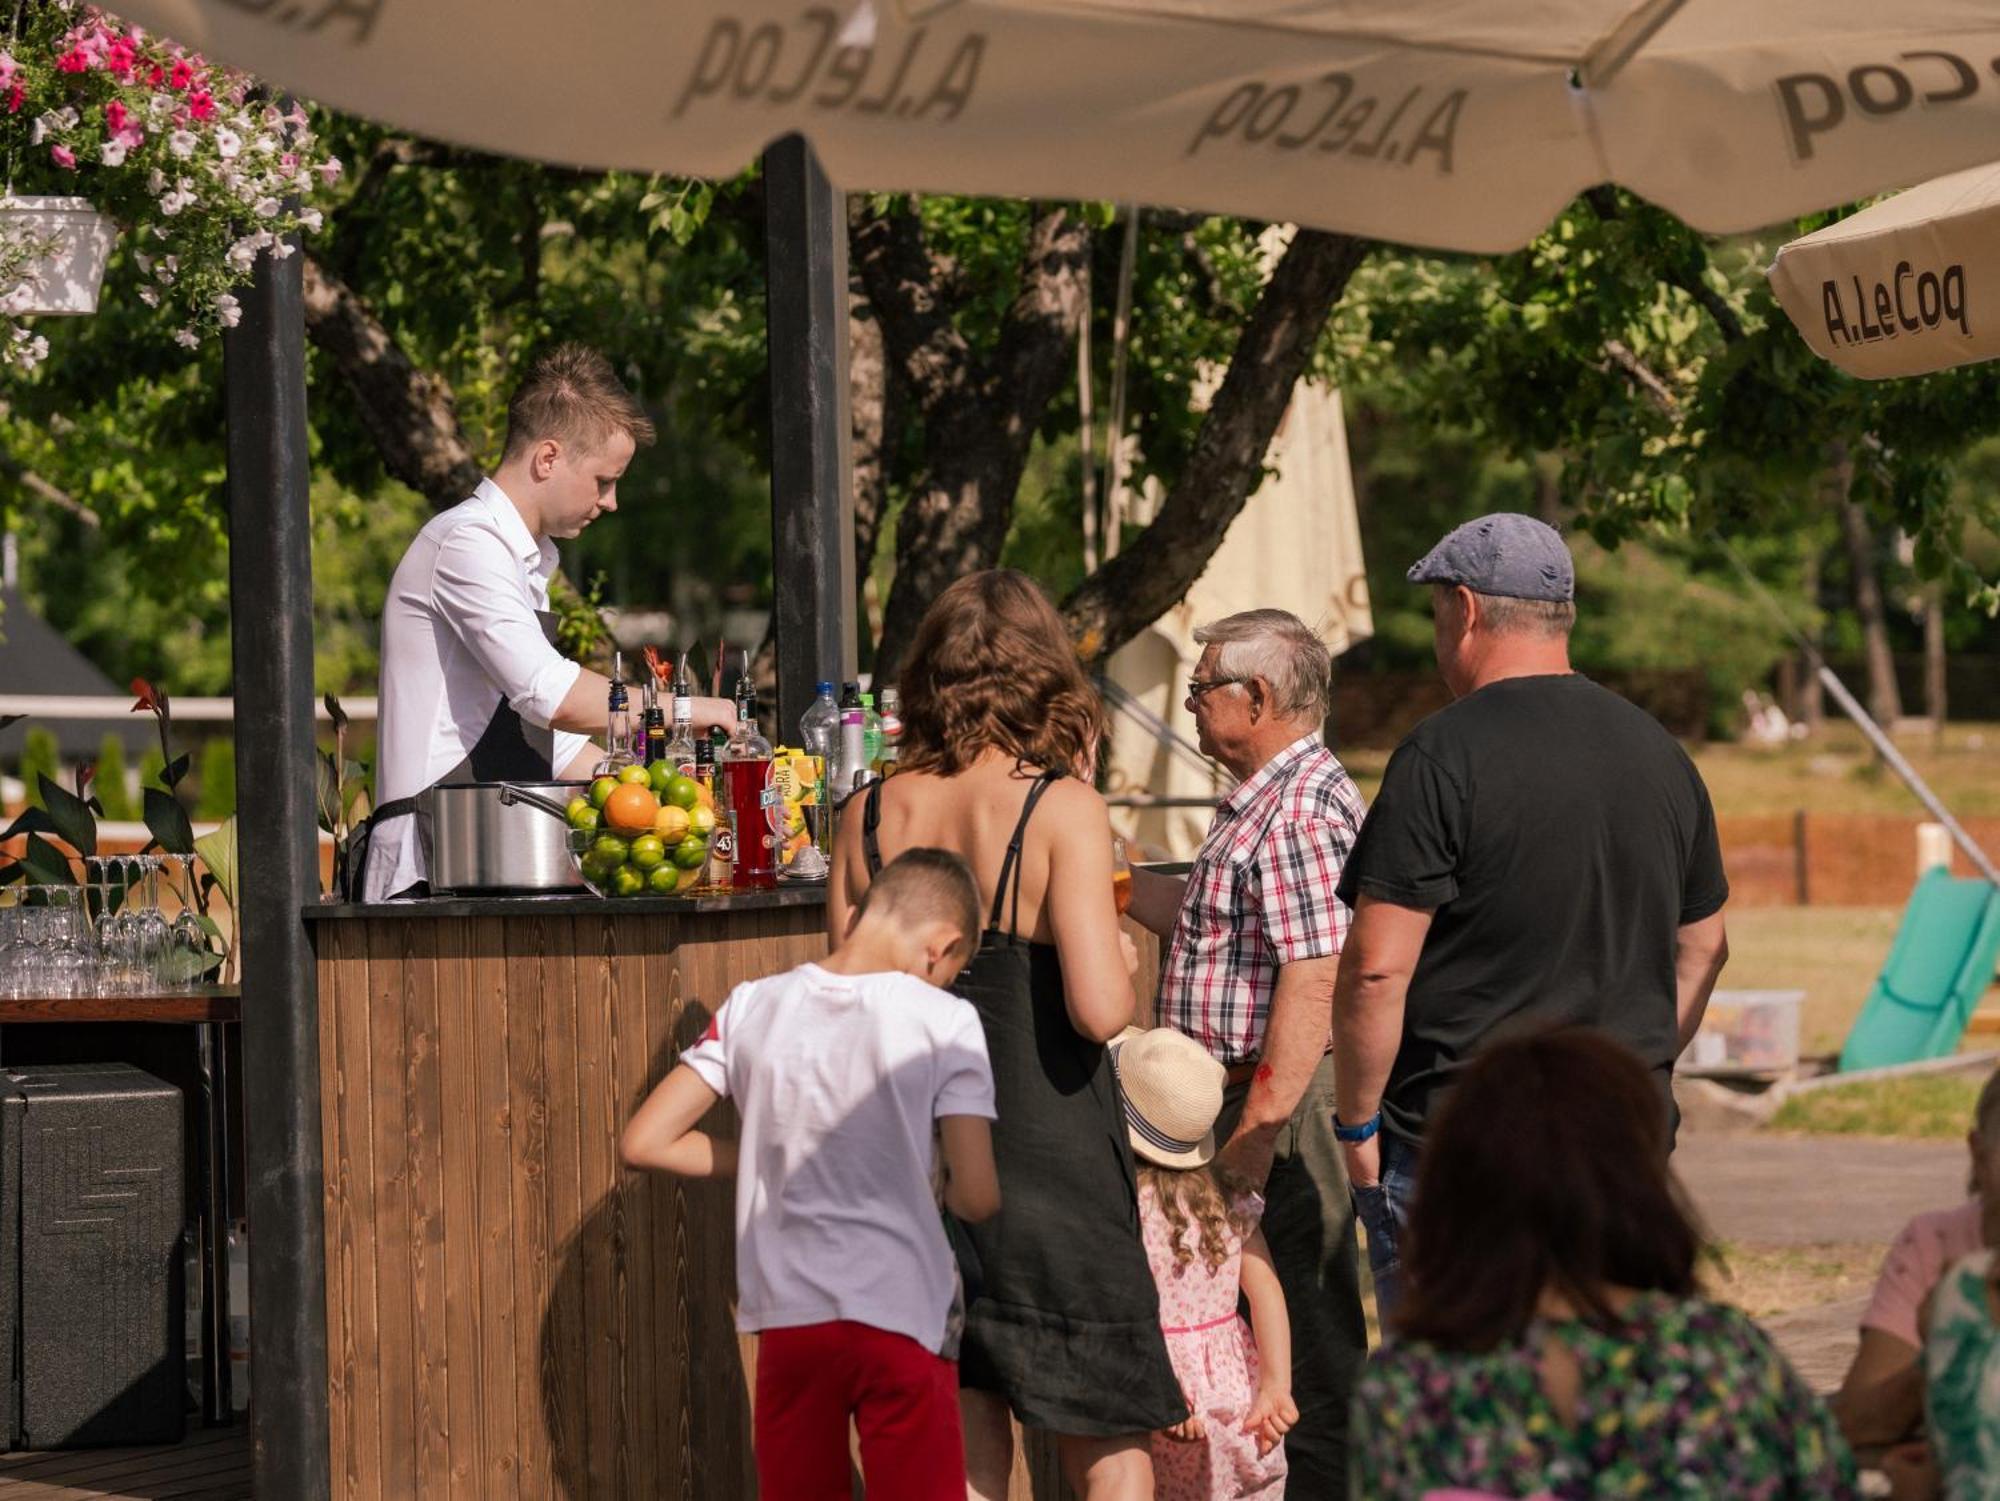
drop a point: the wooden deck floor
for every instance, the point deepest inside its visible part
(211, 1464)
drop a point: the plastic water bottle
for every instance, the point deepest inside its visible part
(851, 762)
(871, 733)
(819, 733)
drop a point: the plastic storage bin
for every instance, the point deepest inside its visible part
(1748, 1030)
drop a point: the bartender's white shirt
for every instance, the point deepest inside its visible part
(459, 633)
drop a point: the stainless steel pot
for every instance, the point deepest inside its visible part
(481, 841)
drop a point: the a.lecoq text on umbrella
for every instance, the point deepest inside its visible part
(1910, 301)
(1814, 103)
(760, 62)
(1335, 120)
(361, 15)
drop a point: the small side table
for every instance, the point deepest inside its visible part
(208, 1010)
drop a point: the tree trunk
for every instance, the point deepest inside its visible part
(979, 413)
(408, 412)
(1811, 711)
(1134, 589)
(1883, 700)
(876, 424)
(1934, 662)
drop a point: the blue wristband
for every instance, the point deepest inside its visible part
(1357, 1133)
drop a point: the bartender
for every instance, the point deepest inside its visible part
(473, 688)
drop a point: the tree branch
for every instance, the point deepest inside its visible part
(1142, 583)
(42, 489)
(903, 281)
(408, 412)
(1642, 375)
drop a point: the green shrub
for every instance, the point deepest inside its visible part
(152, 766)
(217, 799)
(110, 784)
(40, 757)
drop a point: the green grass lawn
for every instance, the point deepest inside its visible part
(1831, 953)
(1838, 772)
(1934, 1107)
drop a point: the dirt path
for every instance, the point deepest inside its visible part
(1759, 1190)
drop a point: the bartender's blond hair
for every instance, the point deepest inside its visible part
(573, 395)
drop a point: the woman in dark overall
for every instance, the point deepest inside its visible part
(1000, 735)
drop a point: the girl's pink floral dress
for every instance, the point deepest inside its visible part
(1216, 1360)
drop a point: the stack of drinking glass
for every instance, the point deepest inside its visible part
(61, 940)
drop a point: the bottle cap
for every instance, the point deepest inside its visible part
(867, 700)
(822, 688)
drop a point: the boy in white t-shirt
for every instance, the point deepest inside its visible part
(841, 1072)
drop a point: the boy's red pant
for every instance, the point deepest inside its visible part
(903, 1400)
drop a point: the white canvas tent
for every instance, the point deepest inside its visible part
(1296, 546)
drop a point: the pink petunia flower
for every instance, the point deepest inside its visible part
(202, 106)
(73, 61)
(63, 157)
(115, 115)
(183, 75)
(16, 97)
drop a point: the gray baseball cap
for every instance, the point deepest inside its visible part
(1505, 553)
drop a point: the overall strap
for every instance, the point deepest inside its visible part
(1013, 864)
(871, 824)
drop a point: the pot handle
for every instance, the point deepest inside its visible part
(511, 794)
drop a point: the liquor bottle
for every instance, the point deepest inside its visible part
(751, 796)
(680, 751)
(656, 722)
(851, 768)
(892, 732)
(819, 733)
(617, 724)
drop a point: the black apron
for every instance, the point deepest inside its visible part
(508, 750)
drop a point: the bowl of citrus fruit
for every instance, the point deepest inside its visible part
(641, 831)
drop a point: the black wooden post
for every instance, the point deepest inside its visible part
(812, 488)
(271, 637)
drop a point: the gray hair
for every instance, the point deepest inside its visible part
(1280, 648)
(1505, 615)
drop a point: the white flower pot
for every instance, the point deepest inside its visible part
(67, 280)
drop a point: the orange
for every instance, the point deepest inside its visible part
(632, 808)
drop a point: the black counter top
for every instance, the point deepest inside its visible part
(567, 904)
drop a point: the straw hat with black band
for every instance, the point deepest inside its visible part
(1173, 1093)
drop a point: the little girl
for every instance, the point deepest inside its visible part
(1204, 1245)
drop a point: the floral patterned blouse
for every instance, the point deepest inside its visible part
(1689, 1399)
(1962, 1382)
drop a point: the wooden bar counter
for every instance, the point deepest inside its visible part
(510, 1313)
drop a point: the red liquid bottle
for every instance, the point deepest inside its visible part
(750, 795)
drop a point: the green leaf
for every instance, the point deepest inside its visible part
(71, 816)
(176, 769)
(168, 821)
(46, 865)
(180, 967)
(33, 820)
(217, 849)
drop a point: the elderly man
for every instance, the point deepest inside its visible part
(1541, 852)
(1254, 934)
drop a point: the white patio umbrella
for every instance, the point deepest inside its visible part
(1906, 286)
(1463, 124)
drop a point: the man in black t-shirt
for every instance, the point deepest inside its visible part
(1541, 853)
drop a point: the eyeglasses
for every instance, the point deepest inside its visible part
(1196, 688)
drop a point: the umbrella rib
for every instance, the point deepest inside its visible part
(1608, 57)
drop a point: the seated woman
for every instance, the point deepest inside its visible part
(1882, 1399)
(1552, 1342)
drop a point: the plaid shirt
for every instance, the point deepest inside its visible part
(1260, 895)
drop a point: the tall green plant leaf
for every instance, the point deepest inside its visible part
(217, 849)
(71, 816)
(168, 821)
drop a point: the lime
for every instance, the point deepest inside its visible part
(682, 792)
(701, 821)
(691, 853)
(597, 868)
(634, 773)
(583, 816)
(658, 774)
(625, 881)
(601, 789)
(648, 851)
(612, 848)
(662, 879)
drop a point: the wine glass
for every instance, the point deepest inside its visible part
(71, 965)
(155, 936)
(187, 939)
(1121, 876)
(17, 951)
(125, 971)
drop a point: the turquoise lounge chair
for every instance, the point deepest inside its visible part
(1939, 966)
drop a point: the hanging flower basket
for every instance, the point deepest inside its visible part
(63, 244)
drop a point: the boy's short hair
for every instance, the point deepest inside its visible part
(926, 885)
(573, 395)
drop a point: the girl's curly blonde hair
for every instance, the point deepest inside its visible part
(1204, 1197)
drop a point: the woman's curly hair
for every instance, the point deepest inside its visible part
(993, 668)
(1203, 1197)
